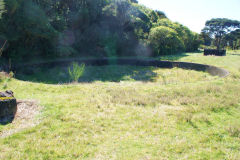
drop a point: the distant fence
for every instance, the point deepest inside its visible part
(214, 52)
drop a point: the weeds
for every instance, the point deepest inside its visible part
(5, 78)
(76, 71)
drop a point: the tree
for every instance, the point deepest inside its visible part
(27, 29)
(217, 28)
(165, 40)
(207, 40)
(232, 39)
(191, 41)
(66, 28)
(2, 7)
(3, 41)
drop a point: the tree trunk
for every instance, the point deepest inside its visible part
(218, 43)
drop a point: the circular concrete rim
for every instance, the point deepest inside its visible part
(212, 70)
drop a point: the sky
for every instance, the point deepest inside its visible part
(194, 13)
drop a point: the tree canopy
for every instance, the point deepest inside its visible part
(2, 7)
(59, 28)
(165, 40)
(232, 39)
(217, 28)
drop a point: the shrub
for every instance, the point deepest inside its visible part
(76, 71)
(165, 41)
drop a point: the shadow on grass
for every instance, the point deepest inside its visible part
(175, 57)
(111, 73)
(234, 54)
(106, 69)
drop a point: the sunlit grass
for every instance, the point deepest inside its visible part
(134, 119)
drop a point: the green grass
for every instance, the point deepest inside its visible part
(128, 118)
(116, 73)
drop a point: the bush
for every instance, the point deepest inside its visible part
(76, 71)
(164, 41)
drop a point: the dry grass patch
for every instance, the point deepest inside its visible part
(26, 117)
(234, 130)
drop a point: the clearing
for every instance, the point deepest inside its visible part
(120, 114)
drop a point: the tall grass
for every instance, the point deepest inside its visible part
(76, 71)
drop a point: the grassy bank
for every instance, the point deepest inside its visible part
(116, 73)
(133, 118)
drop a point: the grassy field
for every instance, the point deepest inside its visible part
(132, 118)
(117, 73)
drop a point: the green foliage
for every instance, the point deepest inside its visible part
(27, 28)
(50, 29)
(217, 28)
(2, 8)
(76, 71)
(207, 40)
(232, 39)
(191, 41)
(165, 40)
(110, 45)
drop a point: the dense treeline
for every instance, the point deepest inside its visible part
(63, 28)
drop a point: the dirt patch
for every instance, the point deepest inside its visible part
(26, 117)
